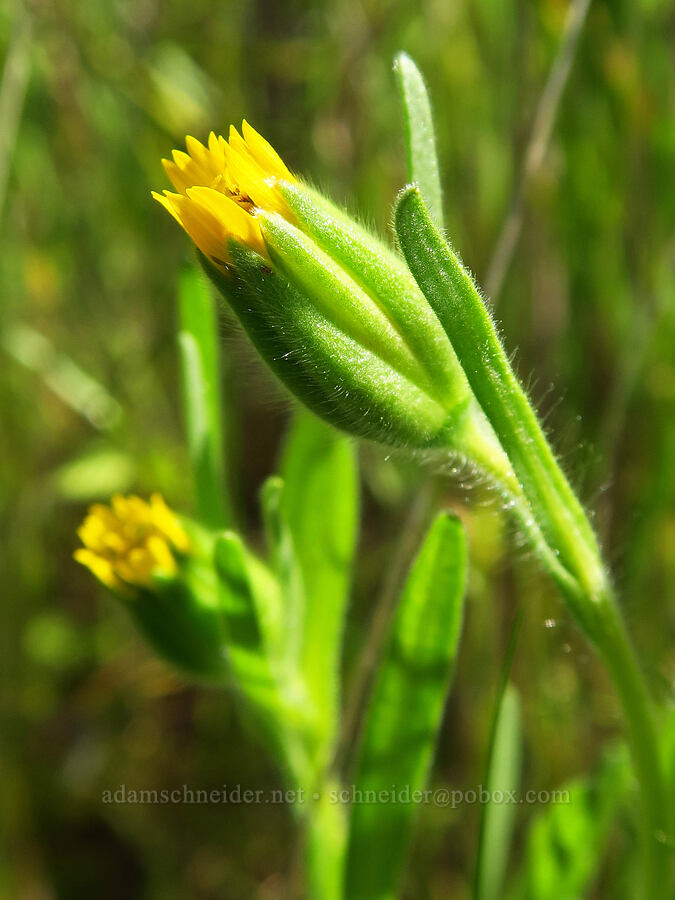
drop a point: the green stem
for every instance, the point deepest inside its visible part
(619, 656)
(326, 845)
(480, 444)
(601, 619)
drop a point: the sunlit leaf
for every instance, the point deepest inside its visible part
(202, 400)
(406, 710)
(420, 139)
(321, 503)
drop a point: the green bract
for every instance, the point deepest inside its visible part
(340, 320)
(180, 614)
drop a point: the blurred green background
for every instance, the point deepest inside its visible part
(93, 95)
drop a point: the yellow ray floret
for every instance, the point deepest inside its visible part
(130, 541)
(220, 186)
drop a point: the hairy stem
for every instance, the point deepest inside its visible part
(619, 657)
(601, 620)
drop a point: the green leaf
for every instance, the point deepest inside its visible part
(406, 710)
(556, 510)
(321, 502)
(286, 631)
(246, 646)
(419, 131)
(498, 813)
(453, 295)
(202, 401)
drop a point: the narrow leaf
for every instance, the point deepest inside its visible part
(498, 813)
(321, 502)
(420, 140)
(202, 401)
(287, 630)
(494, 833)
(406, 710)
(455, 299)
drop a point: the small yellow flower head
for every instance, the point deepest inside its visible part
(220, 186)
(130, 541)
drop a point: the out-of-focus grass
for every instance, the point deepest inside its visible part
(88, 272)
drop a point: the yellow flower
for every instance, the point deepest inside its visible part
(128, 542)
(220, 186)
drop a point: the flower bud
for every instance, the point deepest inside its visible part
(220, 186)
(331, 309)
(158, 566)
(325, 368)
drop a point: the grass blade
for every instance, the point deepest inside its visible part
(202, 401)
(420, 140)
(498, 816)
(502, 774)
(406, 710)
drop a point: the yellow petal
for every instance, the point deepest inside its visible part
(101, 568)
(167, 522)
(163, 560)
(231, 221)
(249, 179)
(165, 200)
(177, 176)
(127, 542)
(216, 151)
(198, 152)
(202, 229)
(220, 185)
(264, 153)
(236, 141)
(191, 171)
